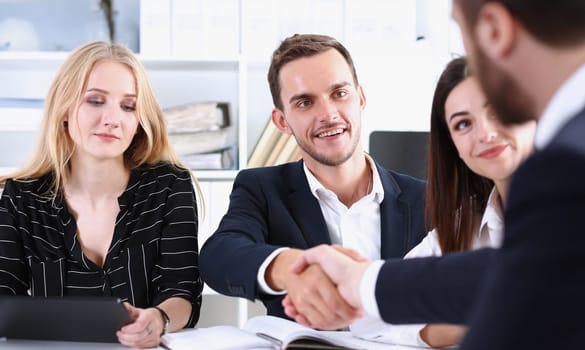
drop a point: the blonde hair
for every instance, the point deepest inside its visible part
(55, 147)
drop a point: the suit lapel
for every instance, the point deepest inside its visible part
(394, 218)
(305, 208)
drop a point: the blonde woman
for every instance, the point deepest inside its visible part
(104, 208)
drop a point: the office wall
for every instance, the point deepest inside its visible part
(398, 57)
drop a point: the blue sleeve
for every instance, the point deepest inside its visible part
(431, 290)
(231, 257)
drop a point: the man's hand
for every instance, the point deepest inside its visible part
(316, 300)
(344, 268)
(442, 335)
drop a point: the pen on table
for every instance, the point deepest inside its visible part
(163, 345)
(270, 339)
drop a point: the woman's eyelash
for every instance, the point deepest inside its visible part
(95, 101)
(129, 107)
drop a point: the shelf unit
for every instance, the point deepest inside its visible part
(240, 78)
(31, 73)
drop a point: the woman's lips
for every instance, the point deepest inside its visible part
(493, 152)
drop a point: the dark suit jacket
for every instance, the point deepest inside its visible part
(273, 207)
(530, 294)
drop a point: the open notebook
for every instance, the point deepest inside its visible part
(260, 332)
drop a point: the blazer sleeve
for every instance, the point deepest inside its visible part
(231, 257)
(534, 293)
(433, 289)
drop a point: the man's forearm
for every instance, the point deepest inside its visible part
(279, 269)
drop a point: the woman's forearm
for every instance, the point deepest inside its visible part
(179, 312)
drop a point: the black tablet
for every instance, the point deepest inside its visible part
(94, 319)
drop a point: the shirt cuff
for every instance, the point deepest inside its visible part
(262, 271)
(368, 288)
(420, 340)
(374, 329)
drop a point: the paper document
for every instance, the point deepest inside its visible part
(261, 332)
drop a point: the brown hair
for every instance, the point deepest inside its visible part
(455, 195)
(299, 46)
(556, 23)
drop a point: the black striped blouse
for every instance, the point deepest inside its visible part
(153, 255)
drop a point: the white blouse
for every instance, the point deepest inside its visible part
(489, 234)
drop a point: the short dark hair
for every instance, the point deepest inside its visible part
(556, 23)
(299, 46)
(455, 195)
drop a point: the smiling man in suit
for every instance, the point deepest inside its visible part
(529, 56)
(335, 194)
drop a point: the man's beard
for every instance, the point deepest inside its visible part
(511, 104)
(324, 159)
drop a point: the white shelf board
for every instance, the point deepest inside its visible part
(215, 175)
(39, 60)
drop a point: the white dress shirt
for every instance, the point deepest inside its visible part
(356, 227)
(489, 234)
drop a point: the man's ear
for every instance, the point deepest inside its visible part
(496, 30)
(362, 97)
(280, 122)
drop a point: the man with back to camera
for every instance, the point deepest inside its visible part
(335, 194)
(529, 56)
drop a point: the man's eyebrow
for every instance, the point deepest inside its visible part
(307, 95)
(340, 85)
(300, 96)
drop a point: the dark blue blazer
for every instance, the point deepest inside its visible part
(273, 207)
(530, 294)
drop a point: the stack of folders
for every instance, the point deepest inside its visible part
(274, 148)
(201, 135)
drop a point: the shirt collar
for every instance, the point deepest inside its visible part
(566, 102)
(492, 219)
(318, 189)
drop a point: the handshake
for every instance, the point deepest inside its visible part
(323, 286)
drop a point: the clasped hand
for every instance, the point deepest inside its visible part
(326, 292)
